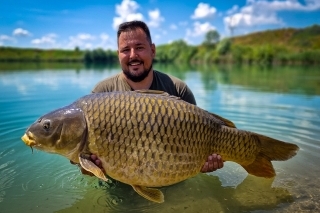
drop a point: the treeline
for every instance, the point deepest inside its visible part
(227, 52)
(11, 54)
(100, 56)
(283, 46)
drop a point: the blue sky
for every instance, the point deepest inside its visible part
(92, 24)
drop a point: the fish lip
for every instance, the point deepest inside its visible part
(28, 139)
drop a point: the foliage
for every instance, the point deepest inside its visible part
(211, 37)
(269, 47)
(100, 56)
(224, 46)
(11, 54)
(178, 51)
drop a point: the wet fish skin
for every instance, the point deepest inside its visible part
(151, 139)
(141, 131)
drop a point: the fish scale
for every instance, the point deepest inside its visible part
(150, 139)
(142, 124)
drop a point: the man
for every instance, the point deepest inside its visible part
(136, 53)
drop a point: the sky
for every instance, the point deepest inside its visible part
(53, 24)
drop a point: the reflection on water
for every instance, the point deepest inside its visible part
(282, 102)
(203, 193)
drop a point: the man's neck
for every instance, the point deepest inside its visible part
(144, 84)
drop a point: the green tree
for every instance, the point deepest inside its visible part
(212, 37)
(224, 46)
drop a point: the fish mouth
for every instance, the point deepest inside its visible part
(28, 139)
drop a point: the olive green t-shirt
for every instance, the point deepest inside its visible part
(161, 81)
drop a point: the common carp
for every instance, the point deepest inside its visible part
(150, 139)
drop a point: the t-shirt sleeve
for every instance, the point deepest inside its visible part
(173, 86)
(187, 95)
(100, 87)
(113, 83)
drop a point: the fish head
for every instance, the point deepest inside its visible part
(60, 131)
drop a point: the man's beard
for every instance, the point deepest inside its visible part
(137, 78)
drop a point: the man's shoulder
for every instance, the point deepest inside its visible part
(108, 83)
(112, 78)
(174, 86)
(167, 77)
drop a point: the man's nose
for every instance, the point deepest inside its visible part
(133, 53)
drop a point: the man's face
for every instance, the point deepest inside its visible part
(135, 54)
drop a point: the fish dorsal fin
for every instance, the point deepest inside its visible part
(151, 194)
(91, 167)
(226, 121)
(156, 92)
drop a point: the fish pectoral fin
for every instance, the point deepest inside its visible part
(91, 167)
(151, 194)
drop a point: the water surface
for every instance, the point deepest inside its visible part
(281, 102)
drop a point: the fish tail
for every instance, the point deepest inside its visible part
(271, 149)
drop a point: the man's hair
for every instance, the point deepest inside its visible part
(134, 25)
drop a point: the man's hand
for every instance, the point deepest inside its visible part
(96, 161)
(213, 163)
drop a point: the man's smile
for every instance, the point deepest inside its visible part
(134, 63)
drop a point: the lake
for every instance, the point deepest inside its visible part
(280, 102)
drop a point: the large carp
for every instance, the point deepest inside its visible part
(150, 139)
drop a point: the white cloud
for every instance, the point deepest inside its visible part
(20, 32)
(85, 36)
(104, 37)
(233, 10)
(204, 11)
(249, 20)
(81, 40)
(199, 29)
(183, 23)
(6, 38)
(263, 12)
(157, 36)
(173, 27)
(106, 42)
(126, 11)
(155, 18)
(278, 5)
(49, 39)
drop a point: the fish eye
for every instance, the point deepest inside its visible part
(46, 125)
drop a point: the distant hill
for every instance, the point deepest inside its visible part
(289, 38)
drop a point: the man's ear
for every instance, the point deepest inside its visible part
(153, 49)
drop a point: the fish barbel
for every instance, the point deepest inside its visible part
(150, 139)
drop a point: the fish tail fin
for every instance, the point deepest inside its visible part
(271, 149)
